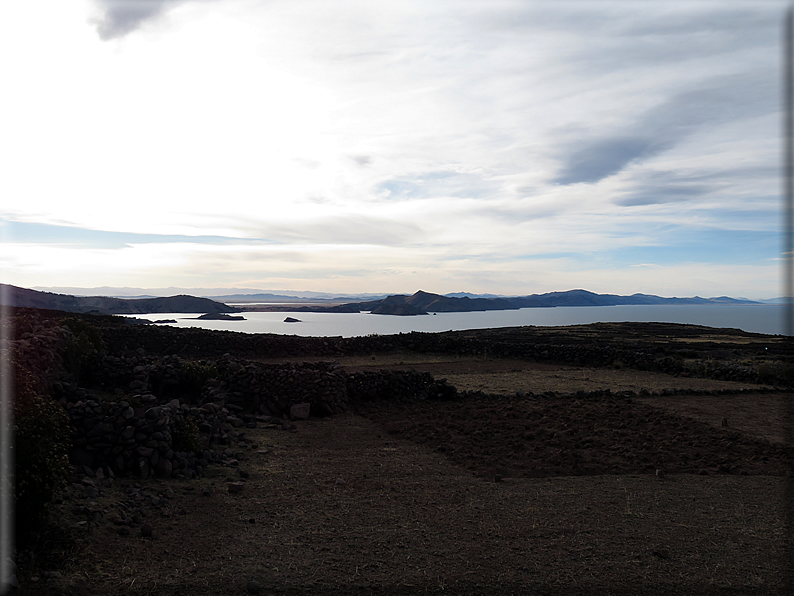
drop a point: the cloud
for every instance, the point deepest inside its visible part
(717, 101)
(666, 187)
(311, 164)
(652, 195)
(606, 157)
(121, 17)
(399, 137)
(362, 160)
(436, 184)
(350, 229)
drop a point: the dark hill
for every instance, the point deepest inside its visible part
(435, 303)
(402, 309)
(22, 297)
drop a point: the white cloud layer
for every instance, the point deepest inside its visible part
(505, 147)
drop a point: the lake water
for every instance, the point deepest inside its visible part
(761, 318)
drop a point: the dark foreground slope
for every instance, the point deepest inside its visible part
(523, 493)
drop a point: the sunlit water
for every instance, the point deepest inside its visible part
(762, 318)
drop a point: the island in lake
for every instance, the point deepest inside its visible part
(219, 316)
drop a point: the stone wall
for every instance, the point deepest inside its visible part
(273, 389)
(143, 438)
(400, 386)
(149, 436)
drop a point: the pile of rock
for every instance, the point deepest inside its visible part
(139, 438)
(37, 345)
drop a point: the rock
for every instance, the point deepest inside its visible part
(291, 320)
(236, 487)
(300, 411)
(143, 469)
(253, 587)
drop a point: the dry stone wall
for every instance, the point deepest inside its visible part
(398, 386)
(272, 389)
(149, 436)
(142, 438)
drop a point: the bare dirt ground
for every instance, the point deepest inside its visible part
(342, 507)
(479, 495)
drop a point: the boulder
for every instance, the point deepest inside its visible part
(300, 411)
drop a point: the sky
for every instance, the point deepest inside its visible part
(505, 147)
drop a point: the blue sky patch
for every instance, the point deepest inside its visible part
(40, 233)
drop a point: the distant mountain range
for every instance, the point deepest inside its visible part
(220, 294)
(401, 304)
(422, 303)
(15, 296)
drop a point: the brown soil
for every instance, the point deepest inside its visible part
(342, 507)
(478, 495)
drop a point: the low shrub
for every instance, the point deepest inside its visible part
(83, 345)
(185, 436)
(193, 376)
(776, 373)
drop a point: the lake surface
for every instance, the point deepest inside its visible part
(761, 318)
